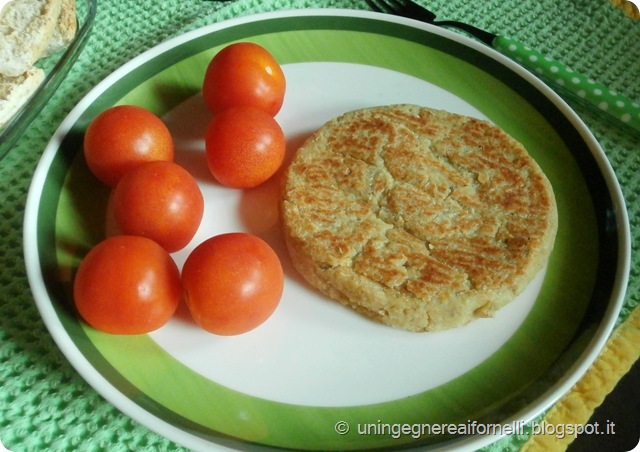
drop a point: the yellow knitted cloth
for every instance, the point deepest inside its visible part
(629, 8)
(621, 351)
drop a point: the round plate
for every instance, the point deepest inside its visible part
(317, 375)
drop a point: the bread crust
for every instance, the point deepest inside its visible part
(29, 30)
(26, 27)
(15, 91)
(65, 29)
(417, 218)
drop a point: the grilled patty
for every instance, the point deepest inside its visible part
(417, 218)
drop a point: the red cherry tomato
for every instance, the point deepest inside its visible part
(244, 74)
(244, 146)
(161, 201)
(232, 283)
(127, 285)
(122, 137)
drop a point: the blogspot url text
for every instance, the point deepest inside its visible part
(419, 430)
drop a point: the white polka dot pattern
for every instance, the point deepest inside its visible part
(614, 104)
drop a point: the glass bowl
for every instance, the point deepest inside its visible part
(56, 68)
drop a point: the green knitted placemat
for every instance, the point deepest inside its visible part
(44, 403)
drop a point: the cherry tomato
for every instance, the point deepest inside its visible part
(127, 285)
(244, 146)
(232, 283)
(244, 74)
(161, 201)
(122, 137)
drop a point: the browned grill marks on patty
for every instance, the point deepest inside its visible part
(418, 218)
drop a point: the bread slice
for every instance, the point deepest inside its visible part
(26, 27)
(65, 30)
(417, 218)
(15, 91)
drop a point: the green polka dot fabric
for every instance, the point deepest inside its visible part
(572, 83)
(44, 403)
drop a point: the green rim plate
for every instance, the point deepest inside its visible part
(573, 313)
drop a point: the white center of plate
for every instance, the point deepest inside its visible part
(313, 351)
